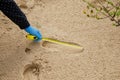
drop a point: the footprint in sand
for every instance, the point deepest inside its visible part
(46, 44)
(49, 46)
(33, 71)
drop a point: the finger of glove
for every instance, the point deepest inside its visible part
(39, 36)
(36, 33)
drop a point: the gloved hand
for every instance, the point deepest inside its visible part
(35, 32)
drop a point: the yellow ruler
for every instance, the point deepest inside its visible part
(31, 37)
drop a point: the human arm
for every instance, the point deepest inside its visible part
(14, 13)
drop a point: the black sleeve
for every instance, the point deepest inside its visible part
(13, 12)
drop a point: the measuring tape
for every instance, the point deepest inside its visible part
(31, 37)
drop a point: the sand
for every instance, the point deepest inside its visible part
(22, 59)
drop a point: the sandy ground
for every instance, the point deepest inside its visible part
(21, 59)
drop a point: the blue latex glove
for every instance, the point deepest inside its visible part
(35, 32)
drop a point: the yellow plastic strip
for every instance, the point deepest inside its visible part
(31, 37)
(62, 42)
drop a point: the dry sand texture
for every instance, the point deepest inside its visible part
(21, 59)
